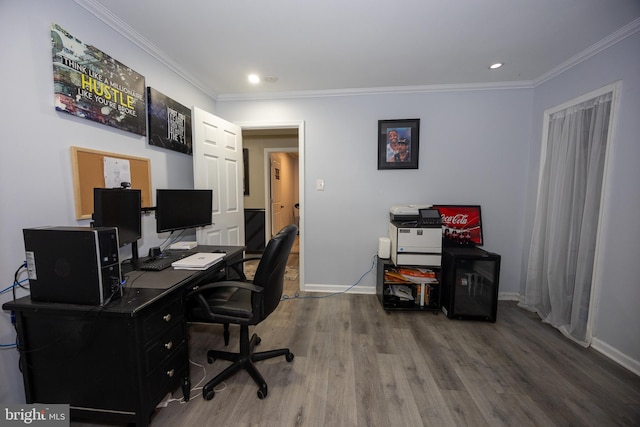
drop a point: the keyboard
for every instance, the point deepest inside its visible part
(164, 261)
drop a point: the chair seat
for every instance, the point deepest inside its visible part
(227, 301)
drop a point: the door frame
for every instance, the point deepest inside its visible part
(267, 179)
(299, 124)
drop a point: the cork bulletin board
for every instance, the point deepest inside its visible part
(88, 173)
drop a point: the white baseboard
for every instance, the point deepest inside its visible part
(509, 296)
(364, 290)
(369, 290)
(615, 355)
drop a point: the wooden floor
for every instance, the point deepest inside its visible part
(356, 365)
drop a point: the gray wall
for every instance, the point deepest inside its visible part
(35, 166)
(473, 150)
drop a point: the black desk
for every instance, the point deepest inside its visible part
(112, 363)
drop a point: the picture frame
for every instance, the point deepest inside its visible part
(461, 225)
(169, 123)
(398, 144)
(245, 165)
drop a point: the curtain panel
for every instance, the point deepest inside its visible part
(561, 259)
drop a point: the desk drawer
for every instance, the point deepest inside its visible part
(163, 346)
(162, 319)
(169, 374)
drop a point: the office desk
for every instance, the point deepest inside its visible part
(117, 362)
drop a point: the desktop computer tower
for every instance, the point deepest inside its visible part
(74, 265)
(470, 278)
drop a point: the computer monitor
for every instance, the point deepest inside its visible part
(183, 209)
(121, 208)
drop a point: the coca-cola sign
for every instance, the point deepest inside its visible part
(461, 224)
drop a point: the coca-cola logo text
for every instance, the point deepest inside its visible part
(458, 219)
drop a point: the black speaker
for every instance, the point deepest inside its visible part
(75, 265)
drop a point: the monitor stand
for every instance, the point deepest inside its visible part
(130, 265)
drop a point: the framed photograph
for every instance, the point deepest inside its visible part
(169, 123)
(398, 143)
(461, 225)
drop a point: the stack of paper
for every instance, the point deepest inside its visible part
(199, 261)
(418, 275)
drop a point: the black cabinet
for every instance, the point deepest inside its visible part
(423, 293)
(108, 364)
(254, 230)
(113, 363)
(470, 278)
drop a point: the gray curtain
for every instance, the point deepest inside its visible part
(561, 259)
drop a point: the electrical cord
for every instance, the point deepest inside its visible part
(195, 387)
(16, 282)
(298, 296)
(12, 288)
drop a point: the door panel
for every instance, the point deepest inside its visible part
(217, 164)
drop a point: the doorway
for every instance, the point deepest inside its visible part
(282, 145)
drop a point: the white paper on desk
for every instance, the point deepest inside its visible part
(116, 171)
(199, 261)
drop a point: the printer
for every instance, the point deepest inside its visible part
(406, 213)
(415, 232)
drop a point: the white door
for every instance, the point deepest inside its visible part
(276, 195)
(217, 165)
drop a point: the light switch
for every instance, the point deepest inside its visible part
(320, 184)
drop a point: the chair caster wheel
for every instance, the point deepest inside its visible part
(258, 340)
(262, 392)
(210, 359)
(208, 394)
(289, 356)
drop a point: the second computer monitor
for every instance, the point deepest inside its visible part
(117, 207)
(183, 209)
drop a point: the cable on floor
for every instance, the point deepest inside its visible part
(298, 296)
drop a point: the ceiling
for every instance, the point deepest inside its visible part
(336, 46)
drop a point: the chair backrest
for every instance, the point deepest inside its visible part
(271, 268)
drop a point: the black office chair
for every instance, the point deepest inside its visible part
(244, 303)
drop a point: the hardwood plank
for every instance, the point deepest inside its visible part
(357, 365)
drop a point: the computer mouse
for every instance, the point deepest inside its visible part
(218, 251)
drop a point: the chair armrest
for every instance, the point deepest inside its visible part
(226, 283)
(235, 266)
(251, 258)
(198, 294)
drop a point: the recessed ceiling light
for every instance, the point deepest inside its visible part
(254, 78)
(496, 65)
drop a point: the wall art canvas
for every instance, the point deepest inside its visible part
(169, 123)
(90, 84)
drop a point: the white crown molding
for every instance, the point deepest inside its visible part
(375, 91)
(105, 15)
(623, 33)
